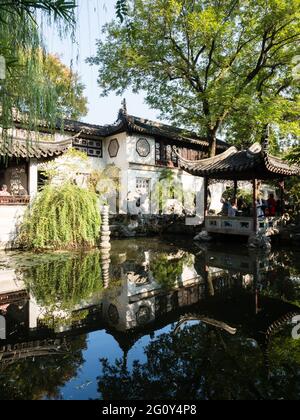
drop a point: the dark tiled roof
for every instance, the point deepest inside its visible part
(31, 149)
(90, 129)
(154, 128)
(240, 165)
(131, 124)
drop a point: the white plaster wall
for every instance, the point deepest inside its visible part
(189, 191)
(132, 154)
(198, 184)
(133, 195)
(35, 312)
(9, 282)
(120, 160)
(33, 178)
(190, 184)
(217, 191)
(188, 273)
(80, 165)
(10, 217)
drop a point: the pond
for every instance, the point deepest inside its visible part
(157, 319)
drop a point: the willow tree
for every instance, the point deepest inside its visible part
(206, 64)
(24, 87)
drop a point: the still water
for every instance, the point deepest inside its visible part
(158, 319)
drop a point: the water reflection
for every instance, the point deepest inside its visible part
(239, 345)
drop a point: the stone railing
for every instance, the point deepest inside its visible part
(240, 225)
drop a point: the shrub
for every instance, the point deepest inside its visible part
(61, 217)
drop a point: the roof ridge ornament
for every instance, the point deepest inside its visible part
(254, 149)
(124, 106)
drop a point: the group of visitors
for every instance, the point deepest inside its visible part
(239, 207)
(15, 190)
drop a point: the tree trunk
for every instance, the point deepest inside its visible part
(212, 140)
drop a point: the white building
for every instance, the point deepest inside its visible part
(140, 151)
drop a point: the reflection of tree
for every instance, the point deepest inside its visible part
(278, 282)
(167, 269)
(202, 363)
(61, 283)
(41, 377)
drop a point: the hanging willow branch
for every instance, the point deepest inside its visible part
(59, 9)
(25, 88)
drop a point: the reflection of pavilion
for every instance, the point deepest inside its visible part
(229, 269)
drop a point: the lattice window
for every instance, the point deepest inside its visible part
(92, 148)
(143, 185)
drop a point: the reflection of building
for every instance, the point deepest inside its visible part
(211, 288)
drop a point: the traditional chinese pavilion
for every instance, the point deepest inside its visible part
(253, 164)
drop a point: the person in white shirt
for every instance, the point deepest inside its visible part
(4, 192)
(232, 209)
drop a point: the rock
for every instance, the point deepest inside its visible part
(260, 240)
(126, 232)
(203, 236)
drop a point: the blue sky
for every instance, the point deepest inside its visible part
(91, 16)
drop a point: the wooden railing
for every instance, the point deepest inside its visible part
(14, 200)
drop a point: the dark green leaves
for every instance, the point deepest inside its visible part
(59, 9)
(121, 9)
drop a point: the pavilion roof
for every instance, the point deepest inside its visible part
(18, 148)
(233, 164)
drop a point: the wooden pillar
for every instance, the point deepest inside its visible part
(254, 182)
(205, 196)
(281, 184)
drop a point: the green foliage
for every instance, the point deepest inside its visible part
(121, 10)
(67, 169)
(63, 282)
(241, 193)
(26, 87)
(292, 195)
(167, 270)
(68, 90)
(293, 155)
(219, 67)
(167, 187)
(62, 217)
(59, 9)
(37, 378)
(199, 363)
(105, 181)
(100, 182)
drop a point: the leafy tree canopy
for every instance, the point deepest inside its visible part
(217, 66)
(23, 86)
(71, 102)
